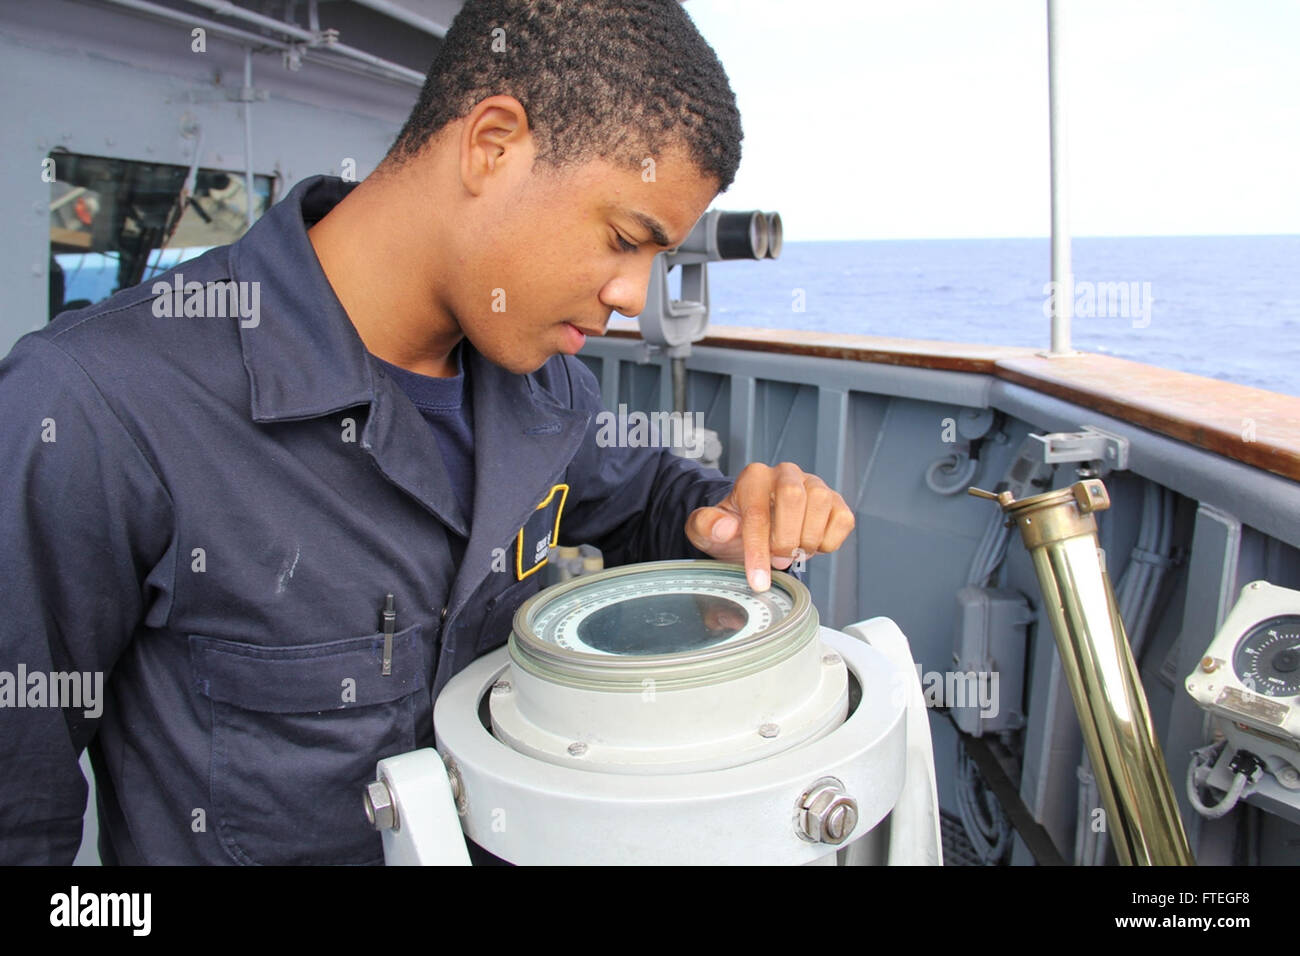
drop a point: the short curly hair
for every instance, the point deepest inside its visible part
(617, 79)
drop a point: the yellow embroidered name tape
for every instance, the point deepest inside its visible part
(540, 533)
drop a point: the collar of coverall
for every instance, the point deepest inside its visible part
(304, 357)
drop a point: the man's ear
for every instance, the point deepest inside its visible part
(494, 137)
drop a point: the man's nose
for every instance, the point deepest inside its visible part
(626, 292)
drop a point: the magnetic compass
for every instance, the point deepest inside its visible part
(668, 663)
(666, 713)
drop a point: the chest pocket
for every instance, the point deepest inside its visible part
(499, 613)
(296, 732)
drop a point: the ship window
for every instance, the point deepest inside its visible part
(115, 223)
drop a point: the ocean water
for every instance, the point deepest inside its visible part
(1222, 307)
(1226, 307)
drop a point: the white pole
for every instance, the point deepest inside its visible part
(1062, 275)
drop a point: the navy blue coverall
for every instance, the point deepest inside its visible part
(210, 512)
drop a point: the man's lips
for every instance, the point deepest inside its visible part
(575, 338)
(586, 331)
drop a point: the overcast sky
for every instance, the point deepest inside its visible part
(872, 119)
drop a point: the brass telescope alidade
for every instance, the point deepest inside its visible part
(1060, 534)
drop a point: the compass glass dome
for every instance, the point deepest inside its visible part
(683, 608)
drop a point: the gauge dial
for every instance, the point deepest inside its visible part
(1267, 659)
(664, 612)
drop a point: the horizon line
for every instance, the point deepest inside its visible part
(1073, 236)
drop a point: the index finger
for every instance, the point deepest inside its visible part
(754, 499)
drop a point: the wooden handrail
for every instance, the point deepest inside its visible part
(1249, 425)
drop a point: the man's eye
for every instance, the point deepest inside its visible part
(624, 244)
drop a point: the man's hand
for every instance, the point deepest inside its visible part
(769, 514)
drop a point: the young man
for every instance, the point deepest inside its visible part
(212, 513)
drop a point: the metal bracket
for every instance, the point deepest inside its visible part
(673, 324)
(1091, 444)
(647, 352)
(293, 56)
(227, 94)
(247, 94)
